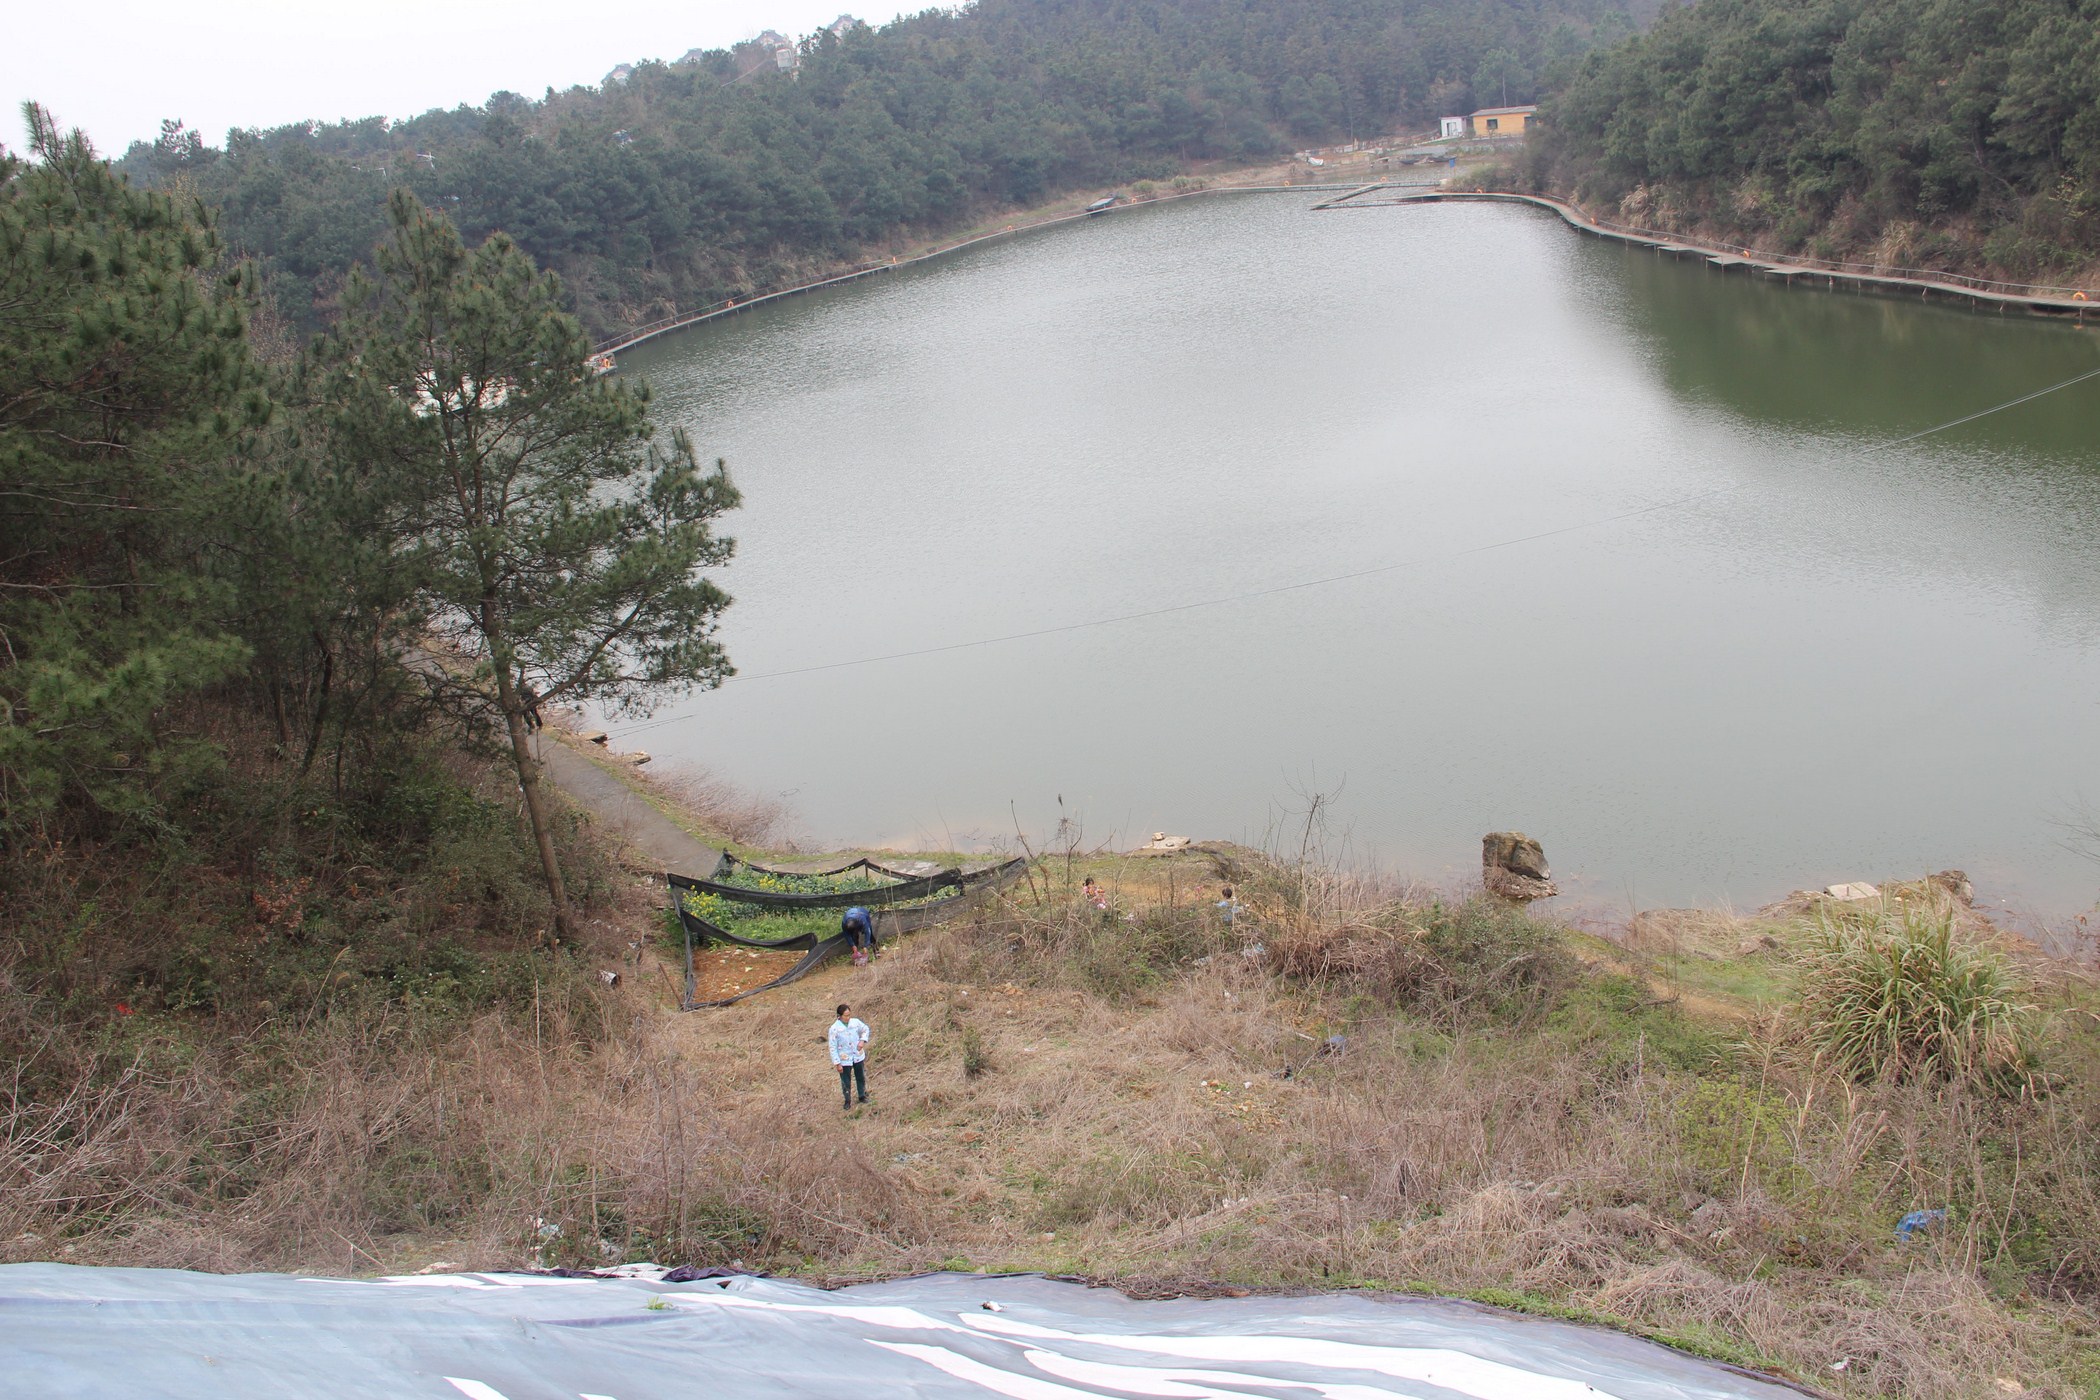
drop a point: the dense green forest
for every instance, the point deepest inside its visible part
(243, 593)
(677, 183)
(272, 626)
(1956, 134)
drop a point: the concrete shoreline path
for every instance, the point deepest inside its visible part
(626, 813)
(2046, 301)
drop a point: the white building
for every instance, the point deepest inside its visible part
(1452, 126)
(786, 56)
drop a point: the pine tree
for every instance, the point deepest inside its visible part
(125, 388)
(557, 542)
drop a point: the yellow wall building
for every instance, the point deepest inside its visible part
(1502, 121)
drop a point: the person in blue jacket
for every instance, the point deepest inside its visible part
(858, 926)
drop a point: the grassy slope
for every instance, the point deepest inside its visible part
(1602, 1155)
(1521, 1115)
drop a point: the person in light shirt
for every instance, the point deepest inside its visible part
(849, 1054)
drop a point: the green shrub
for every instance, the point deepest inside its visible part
(1902, 994)
(1496, 960)
(976, 1056)
(1116, 958)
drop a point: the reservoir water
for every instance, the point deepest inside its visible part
(1625, 552)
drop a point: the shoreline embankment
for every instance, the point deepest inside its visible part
(1979, 292)
(732, 307)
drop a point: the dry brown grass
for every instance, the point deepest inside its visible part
(1147, 1133)
(1059, 1089)
(720, 807)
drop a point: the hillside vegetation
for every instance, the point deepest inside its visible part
(302, 966)
(265, 625)
(719, 175)
(1943, 134)
(1664, 1140)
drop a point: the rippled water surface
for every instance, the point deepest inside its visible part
(1654, 579)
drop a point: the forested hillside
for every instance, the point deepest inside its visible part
(719, 174)
(1955, 134)
(253, 597)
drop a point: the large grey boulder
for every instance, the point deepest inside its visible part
(1513, 866)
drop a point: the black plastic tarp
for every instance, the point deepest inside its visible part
(148, 1334)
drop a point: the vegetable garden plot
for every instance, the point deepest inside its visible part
(762, 907)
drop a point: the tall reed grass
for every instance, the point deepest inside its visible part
(1903, 993)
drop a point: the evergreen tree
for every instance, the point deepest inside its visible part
(125, 388)
(718, 175)
(557, 545)
(1958, 134)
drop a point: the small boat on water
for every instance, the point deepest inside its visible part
(601, 363)
(1105, 203)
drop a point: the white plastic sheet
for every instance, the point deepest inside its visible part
(69, 1331)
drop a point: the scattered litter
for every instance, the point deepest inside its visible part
(1841, 1365)
(609, 978)
(904, 1159)
(991, 1307)
(1853, 891)
(439, 1268)
(1049, 1235)
(1254, 951)
(1918, 1220)
(1334, 1045)
(693, 1273)
(648, 1273)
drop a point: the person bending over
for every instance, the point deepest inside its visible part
(858, 925)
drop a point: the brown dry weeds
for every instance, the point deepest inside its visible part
(1038, 1105)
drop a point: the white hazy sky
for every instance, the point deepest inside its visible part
(116, 69)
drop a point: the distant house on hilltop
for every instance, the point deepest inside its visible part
(619, 75)
(786, 56)
(772, 49)
(1501, 121)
